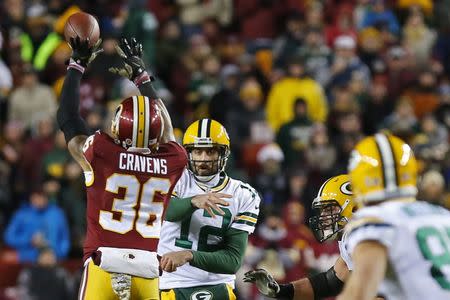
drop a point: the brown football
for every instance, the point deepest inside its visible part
(82, 25)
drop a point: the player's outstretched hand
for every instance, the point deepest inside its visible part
(131, 53)
(82, 53)
(264, 282)
(210, 202)
(121, 285)
(171, 261)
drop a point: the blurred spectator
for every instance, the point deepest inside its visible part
(316, 55)
(418, 38)
(293, 137)
(41, 142)
(287, 90)
(378, 14)
(38, 42)
(54, 160)
(399, 71)
(345, 63)
(253, 128)
(45, 280)
(314, 14)
(193, 13)
(431, 143)
(226, 98)
(423, 94)
(298, 256)
(290, 41)
(73, 201)
(271, 182)
(142, 25)
(321, 154)
(31, 100)
(37, 225)
(258, 18)
(204, 84)
(168, 49)
(432, 187)
(402, 121)
(371, 45)
(376, 106)
(342, 25)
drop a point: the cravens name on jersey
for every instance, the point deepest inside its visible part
(138, 163)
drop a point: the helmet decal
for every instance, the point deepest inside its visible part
(346, 188)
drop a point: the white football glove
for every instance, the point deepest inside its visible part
(264, 282)
(121, 284)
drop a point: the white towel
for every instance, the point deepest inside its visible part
(135, 262)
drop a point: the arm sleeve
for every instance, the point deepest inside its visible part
(148, 90)
(227, 260)
(178, 209)
(68, 115)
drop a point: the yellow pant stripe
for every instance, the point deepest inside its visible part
(231, 294)
(170, 295)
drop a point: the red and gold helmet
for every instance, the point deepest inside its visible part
(137, 123)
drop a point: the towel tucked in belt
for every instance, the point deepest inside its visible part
(135, 262)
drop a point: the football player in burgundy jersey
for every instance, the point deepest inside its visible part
(130, 174)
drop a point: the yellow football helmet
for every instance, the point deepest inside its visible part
(332, 208)
(382, 167)
(206, 133)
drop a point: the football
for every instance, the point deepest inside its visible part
(82, 25)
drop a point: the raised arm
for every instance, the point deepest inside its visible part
(134, 69)
(68, 115)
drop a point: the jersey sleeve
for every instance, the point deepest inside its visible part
(368, 229)
(248, 210)
(88, 148)
(179, 189)
(177, 154)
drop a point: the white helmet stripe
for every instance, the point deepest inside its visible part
(147, 120)
(387, 158)
(204, 127)
(135, 120)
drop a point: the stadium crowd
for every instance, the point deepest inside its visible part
(296, 83)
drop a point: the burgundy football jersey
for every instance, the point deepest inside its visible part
(127, 192)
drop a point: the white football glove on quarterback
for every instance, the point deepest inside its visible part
(264, 282)
(121, 284)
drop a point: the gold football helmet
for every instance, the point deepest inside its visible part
(207, 133)
(332, 208)
(382, 167)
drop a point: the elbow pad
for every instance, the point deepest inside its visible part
(326, 284)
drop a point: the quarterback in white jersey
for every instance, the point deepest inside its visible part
(202, 249)
(399, 247)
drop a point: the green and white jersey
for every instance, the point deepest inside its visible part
(203, 233)
(417, 237)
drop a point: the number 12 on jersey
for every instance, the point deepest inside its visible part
(145, 217)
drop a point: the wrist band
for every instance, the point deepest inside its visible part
(286, 291)
(74, 65)
(142, 78)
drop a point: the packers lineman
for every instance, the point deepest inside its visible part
(399, 247)
(332, 209)
(207, 223)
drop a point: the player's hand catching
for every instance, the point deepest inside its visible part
(210, 202)
(264, 282)
(131, 53)
(171, 261)
(121, 285)
(82, 53)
